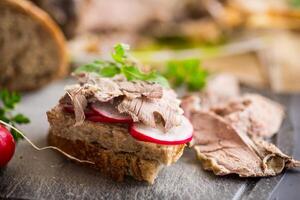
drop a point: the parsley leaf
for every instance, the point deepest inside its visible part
(122, 65)
(133, 73)
(8, 102)
(186, 72)
(20, 119)
(120, 52)
(9, 99)
(103, 68)
(158, 78)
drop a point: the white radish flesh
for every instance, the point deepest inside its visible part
(177, 135)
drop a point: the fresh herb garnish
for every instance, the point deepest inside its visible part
(8, 102)
(187, 72)
(122, 64)
(295, 3)
(102, 68)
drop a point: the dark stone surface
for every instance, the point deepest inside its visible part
(289, 186)
(47, 175)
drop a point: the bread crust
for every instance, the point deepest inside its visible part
(115, 165)
(50, 26)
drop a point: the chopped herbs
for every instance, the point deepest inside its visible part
(186, 72)
(8, 102)
(122, 65)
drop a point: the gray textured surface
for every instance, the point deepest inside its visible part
(47, 175)
(288, 188)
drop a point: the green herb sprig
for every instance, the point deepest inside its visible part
(122, 64)
(8, 102)
(187, 72)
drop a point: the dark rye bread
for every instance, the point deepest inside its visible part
(32, 47)
(115, 165)
(114, 141)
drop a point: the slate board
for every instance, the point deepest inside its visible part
(47, 175)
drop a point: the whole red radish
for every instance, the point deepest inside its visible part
(7, 146)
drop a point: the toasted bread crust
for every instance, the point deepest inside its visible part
(48, 26)
(115, 165)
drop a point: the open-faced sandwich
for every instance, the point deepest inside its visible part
(124, 121)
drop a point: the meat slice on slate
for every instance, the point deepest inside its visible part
(219, 89)
(253, 114)
(224, 149)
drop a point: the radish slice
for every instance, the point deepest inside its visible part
(177, 135)
(108, 111)
(102, 119)
(88, 112)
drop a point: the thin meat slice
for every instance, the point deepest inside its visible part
(153, 112)
(219, 89)
(253, 114)
(144, 101)
(225, 150)
(103, 89)
(141, 89)
(189, 104)
(108, 88)
(79, 103)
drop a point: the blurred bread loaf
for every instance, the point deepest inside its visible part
(66, 13)
(32, 47)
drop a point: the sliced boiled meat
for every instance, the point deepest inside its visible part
(154, 111)
(219, 89)
(253, 114)
(224, 149)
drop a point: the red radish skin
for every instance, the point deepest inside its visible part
(177, 137)
(94, 114)
(103, 119)
(111, 114)
(7, 146)
(88, 112)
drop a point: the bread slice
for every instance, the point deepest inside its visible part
(32, 47)
(116, 165)
(110, 146)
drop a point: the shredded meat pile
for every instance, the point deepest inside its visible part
(146, 102)
(229, 131)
